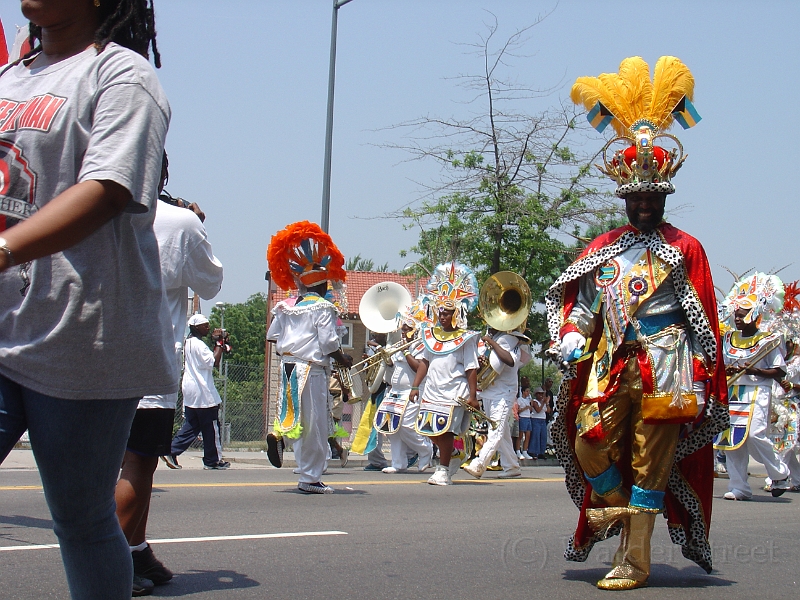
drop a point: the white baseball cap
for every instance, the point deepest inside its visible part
(196, 320)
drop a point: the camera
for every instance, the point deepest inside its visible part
(165, 196)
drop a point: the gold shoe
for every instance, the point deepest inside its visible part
(620, 584)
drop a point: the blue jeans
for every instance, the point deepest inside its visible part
(538, 443)
(78, 446)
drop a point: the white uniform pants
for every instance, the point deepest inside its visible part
(313, 445)
(759, 447)
(406, 442)
(499, 440)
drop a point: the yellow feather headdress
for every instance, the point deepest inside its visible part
(639, 110)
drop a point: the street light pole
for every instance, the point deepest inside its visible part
(326, 177)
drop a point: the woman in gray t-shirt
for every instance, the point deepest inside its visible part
(82, 127)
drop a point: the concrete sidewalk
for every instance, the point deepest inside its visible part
(22, 459)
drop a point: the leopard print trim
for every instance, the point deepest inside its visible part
(655, 242)
(555, 295)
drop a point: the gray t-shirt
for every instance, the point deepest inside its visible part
(89, 322)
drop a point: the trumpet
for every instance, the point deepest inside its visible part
(477, 412)
(381, 354)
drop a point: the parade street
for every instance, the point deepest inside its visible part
(248, 533)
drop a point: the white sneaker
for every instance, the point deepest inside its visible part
(475, 468)
(519, 454)
(526, 455)
(509, 473)
(296, 471)
(732, 496)
(389, 470)
(441, 476)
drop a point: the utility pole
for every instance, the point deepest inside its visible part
(326, 177)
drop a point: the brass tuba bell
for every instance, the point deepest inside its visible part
(504, 303)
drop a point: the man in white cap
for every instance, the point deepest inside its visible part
(200, 398)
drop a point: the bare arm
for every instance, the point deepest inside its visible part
(472, 381)
(412, 362)
(422, 370)
(67, 219)
(774, 373)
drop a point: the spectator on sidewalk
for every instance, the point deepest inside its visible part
(538, 443)
(524, 412)
(200, 397)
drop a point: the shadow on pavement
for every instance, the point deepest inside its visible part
(205, 581)
(24, 521)
(661, 576)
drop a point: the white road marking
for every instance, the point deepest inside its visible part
(214, 538)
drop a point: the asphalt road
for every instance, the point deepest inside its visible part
(393, 536)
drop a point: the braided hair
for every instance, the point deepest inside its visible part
(129, 23)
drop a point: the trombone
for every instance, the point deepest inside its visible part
(381, 354)
(766, 349)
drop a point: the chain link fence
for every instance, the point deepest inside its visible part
(242, 413)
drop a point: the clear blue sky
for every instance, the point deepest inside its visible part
(247, 81)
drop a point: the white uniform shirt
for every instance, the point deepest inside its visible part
(402, 374)
(198, 376)
(505, 384)
(773, 360)
(305, 332)
(446, 379)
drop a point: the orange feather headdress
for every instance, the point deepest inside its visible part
(302, 255)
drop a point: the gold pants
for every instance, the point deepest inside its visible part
(652, 446)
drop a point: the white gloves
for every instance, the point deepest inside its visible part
(569, 343)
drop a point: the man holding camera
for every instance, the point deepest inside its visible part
(200, 397)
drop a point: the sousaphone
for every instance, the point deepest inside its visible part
(379, 309)
(504, 303)
(380, 305)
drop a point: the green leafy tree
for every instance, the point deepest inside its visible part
(246, 324)
(356, 263)
(513, 186)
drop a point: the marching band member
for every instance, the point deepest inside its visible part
(634, 319)
(449, 365)
(786, 394)
(509, 351)
(396, 416)
(750, 397)
(304, 332)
